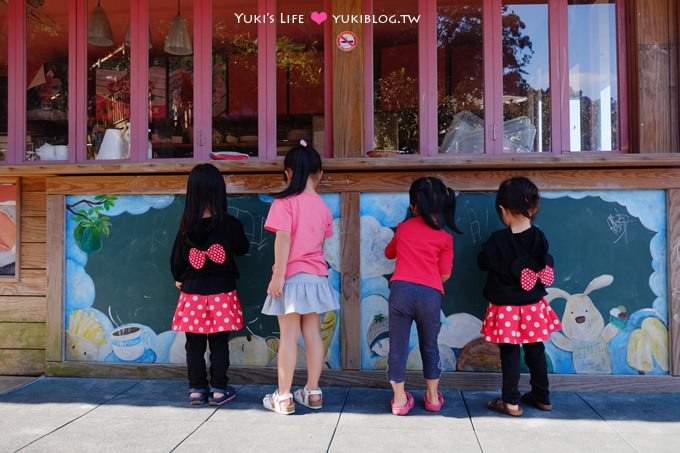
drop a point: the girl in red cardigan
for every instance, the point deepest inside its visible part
(424, 253)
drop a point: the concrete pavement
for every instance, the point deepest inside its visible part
(124, 415)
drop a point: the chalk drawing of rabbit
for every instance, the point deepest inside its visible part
(584, 333)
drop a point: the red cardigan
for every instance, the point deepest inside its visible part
(423, 254)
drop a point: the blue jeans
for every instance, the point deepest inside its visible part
(413, 302)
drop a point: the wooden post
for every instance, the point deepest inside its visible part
(348, 83)
(654, 40)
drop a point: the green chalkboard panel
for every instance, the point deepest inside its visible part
(609, 249)
(118, 277)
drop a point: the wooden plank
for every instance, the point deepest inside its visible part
(33, 229)
(385, 181)
(674, 279)
(31, 283)
(33, 255)
(22, 362)
(33, 204)
(55, 273)
(348, 82)
(34, 183)
(655, 128)
(462, 381)
(516, 162)
(22, 335)
(22, 309)
(351, 278)
(653, 22)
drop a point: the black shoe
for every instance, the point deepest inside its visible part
(228, 394)
(531, 400)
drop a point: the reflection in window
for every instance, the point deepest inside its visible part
(460, 77)
(234, 78)
(108, 79)
(299, 78)
(526, 81)
(47, 73)
(171, 78)
(3, 82)
(395, 79)
(593, 82)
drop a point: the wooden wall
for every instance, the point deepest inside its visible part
(654, 96)
(351, 181)
(23, 304)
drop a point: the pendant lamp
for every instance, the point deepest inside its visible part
(178, 41)
(99, 28)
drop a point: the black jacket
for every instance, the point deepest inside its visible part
(504, 256)
(212, 278)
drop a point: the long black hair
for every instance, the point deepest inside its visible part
(519, 196)
(303, 160)
(205, 191)
(434, 202)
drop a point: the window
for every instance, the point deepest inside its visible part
(48, 76)
(498, 87)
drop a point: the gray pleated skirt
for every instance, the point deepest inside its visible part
(303, 293)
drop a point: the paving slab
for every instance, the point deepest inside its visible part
(114, 415)
(542, 441)
(570, 413)
(370, 439)
(656, 413)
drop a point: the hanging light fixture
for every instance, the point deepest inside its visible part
(178, 41)
(99, 27)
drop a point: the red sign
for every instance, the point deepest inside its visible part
(346, 41)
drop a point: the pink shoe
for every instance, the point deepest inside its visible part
(406, 408)
(432, 407)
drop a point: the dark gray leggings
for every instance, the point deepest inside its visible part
(413, 302)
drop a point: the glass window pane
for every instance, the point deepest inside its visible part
(593, 83)
(526, 77)
(299, 76)
(3, 82)
(47, 92)
(235, 77)
(171, 78)
(395, 78)
(108, 79)
(460, 76)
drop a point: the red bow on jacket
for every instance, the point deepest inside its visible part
(215, 252)
(528, 278)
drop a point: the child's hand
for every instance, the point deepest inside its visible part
(178, 285)
(275, 288)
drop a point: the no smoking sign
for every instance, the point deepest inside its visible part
(346, 41)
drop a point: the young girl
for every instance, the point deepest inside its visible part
(519, 268)
(204, 269)
(299, 289)
(424, 253)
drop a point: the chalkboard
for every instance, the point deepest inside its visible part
(118, 274)
(591, 234)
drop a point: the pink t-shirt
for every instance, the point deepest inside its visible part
(309, 222)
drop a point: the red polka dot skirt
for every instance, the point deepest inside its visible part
(520, 324)
(213, 313)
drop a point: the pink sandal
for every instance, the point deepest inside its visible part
(432, 407)
(406, 408)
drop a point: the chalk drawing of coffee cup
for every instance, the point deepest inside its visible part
(129, 341)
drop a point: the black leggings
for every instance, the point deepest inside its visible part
(219, 359)
(534, 357)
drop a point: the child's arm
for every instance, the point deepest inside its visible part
(446, 259)
(281, 251)
(241, 242)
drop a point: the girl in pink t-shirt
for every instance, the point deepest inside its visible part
(299, 289)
